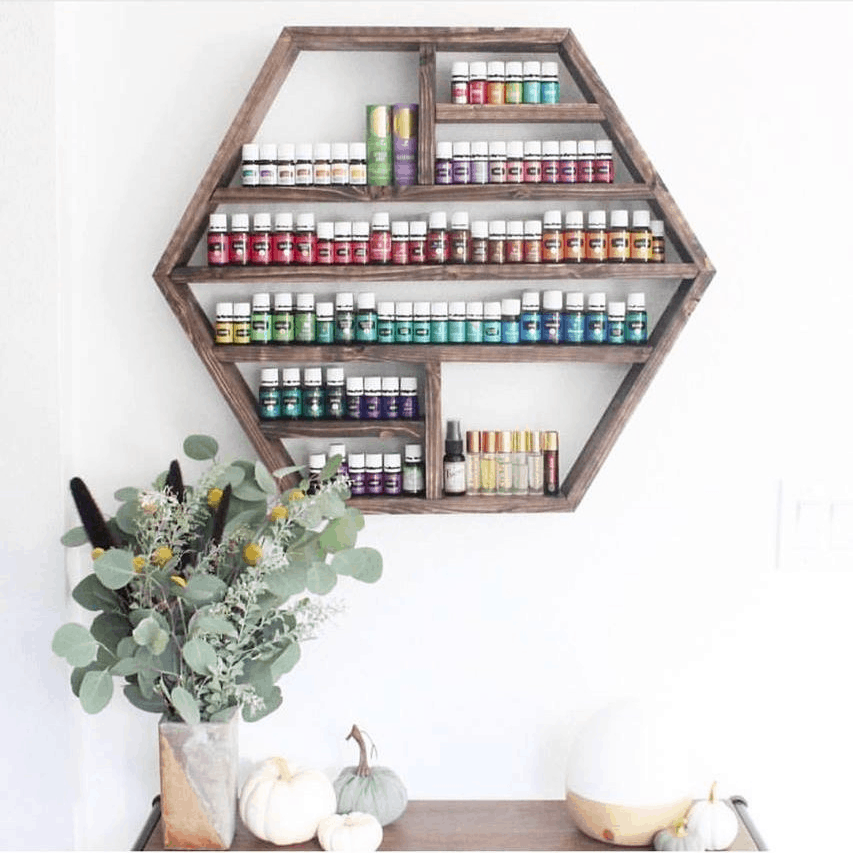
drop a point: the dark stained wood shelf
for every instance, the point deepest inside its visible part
(433, 353)
(691, 270)
(472, 825)
(349, 428)
(527, 113)
(432, 272)
(562, 193)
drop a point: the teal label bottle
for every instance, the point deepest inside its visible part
(438, 323)
(325, 323)
(595, 320)
(403, 332)
(269, 395)
(636, 319)
(492, 323)
(365, 318)
(530, 328)
(421, 323)
(616, 323)
(474, 323)
(313, 395)
(456, 323)
(510, 321)
(385, 333)
(291, 395)
(344, 318)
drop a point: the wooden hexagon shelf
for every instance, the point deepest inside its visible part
(689, 275)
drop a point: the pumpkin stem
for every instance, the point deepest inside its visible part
(680, 827)
(363, 768)
(712, 797)
(283, 769)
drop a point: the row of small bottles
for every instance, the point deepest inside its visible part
(375, 474)
(498, 82)
(551, 161)
(551, 317)
(303, 165)
(290, 397)
(501, 462)
(497, 241)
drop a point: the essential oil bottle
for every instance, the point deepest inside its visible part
(454, 460)
(636, 319)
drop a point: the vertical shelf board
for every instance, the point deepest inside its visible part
(694, 270)
(426, 115)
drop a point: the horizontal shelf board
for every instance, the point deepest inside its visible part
(335, 429)
(436, 192)
(431, 353)
(431, 272)
(463, 503)
(498, 114)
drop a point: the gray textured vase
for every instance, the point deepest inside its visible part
(198, 784)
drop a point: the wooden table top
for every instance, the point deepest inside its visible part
(471, 825)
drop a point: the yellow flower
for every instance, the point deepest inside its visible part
(252, 554)
(97, 552)
(178, 580)
(278, 512)
(296, 495)
(213, 498)
(138, 564)
(162, 556)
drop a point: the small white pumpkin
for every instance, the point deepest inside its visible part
(356, 832)
(713, 821)
(285, 806)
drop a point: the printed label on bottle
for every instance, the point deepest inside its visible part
(596, 246)
(497, 172)
(514, 172)
(454, 478)
(282, 329)
(618, 247)
(286, 174)
(532, 171)
(459, 92)
(550, 171)
(641, 246)
(282, 251)
(224, 332)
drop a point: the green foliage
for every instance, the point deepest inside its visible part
(195, 628)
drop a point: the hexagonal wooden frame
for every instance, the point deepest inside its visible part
(693, 271)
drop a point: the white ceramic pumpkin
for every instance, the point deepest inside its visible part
(356, 832)
(284, 805)
(713, 821)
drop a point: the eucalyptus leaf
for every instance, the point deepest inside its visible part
(339, 535)
(286, 583)
(331, 467)
(110, 628)
(114, 568)
(258, 673)
(204, 589)
(91, 594)
(320, 579)
(127, 517)
(126, 647)
(126, 666)
(234, 475)
(223, 716)
(137, 616)
(149, 634)
(200, 656)
(75, 537)
(247, 491)
(285, 661)
(167, 660)
(96, 690)
(247, 518)
(185, 704)
(286, 472)
(74, 643)
(145, 679)
(200, 447)
(103, 661)
(127, 494)
(204, 623)
(264, 479)
(364, 564)
(153, 704)
(272, 701)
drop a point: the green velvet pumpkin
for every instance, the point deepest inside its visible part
(677, 837)
(376, 790)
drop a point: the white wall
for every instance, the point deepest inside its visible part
(488, 639)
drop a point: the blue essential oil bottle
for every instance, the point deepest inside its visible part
(595, 321)
(636, 319)
(530, 328)
(572, 330)
(552, 316)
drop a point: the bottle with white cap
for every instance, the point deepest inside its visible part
(322, 164)
(269, 395)
(618, 238)
(595, 249)
(510, 320)
(366, 318)
(305, 239)
(616, 323)
(413, 470)
(462, 162)
(495, 82)
(530, 329)
(444, 163)
(390, 400)
(304, 166)
(532, 84)
(459, 83)
(374, 480)
(477, 83)
(586, 161)
(479, 170)
(550, 161)
(305, 319)
(267, 165)
(595, 319)
(658, 254)
(238, 240)
(636, 319)
(358, 164)
(313, 395)
(603, 164)
(282, 318)
(532, 161)
(574, 240)
(336, 400)
(260, 242)
(250, 170)
(552, 316)
(224, 323)
(513, 88)
(568, 161)
(261, 319)
(572, 327)
(286, 164)
(338, 449)
(392, 475)
(550, 86)
(291, 394)
(355, 466)
(242, 322)
(497, 161)
(217, 240)
(340, 164)
(641, 236)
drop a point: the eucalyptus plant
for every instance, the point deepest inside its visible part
(203, 594)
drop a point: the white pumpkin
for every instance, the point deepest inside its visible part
(713, 821)
(284, 806)
(356, 832)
